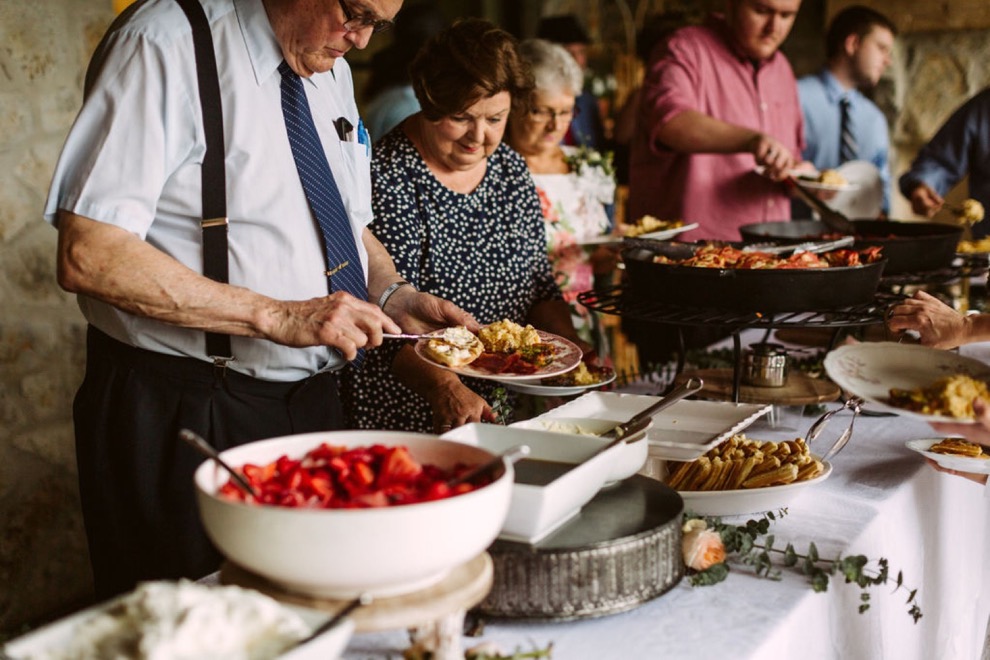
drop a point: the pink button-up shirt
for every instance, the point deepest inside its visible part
(700, 71)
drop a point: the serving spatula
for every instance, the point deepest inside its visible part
(832, 218)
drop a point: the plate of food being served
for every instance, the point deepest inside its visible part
(954, 454)
(577, 380)
(503, 351)
(916, 381)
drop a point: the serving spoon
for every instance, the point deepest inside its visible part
(334, 621)
(509, 456)
(197, 442)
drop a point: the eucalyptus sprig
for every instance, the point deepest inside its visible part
(500, 406)
(744, 542)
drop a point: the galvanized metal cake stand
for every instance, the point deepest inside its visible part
(622, 549)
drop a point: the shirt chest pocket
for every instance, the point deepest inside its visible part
(354, 179)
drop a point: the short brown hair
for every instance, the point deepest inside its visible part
(471, 60)
(855, 19)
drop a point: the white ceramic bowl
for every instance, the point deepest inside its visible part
(55, 639)
(537, 510)
(340, 553)
(630, 457)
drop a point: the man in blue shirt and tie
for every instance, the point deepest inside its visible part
(840, 123)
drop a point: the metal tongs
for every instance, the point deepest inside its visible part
(854, 404)
(832, 218)
(814, 247)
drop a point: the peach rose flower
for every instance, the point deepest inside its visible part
(702, 547)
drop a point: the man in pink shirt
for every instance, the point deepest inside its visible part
(718, 101)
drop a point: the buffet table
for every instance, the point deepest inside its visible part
(881, 500)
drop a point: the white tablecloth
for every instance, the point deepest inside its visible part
(881, 500)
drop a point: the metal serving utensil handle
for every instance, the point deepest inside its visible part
(832, 218)
(197, 442)
(687, 388)
(854, 404)
(334, 621)
(508, 457)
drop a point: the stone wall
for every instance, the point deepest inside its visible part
(43, 559)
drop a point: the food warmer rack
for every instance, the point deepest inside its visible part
(621, 301)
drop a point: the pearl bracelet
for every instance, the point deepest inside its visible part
(387, 293)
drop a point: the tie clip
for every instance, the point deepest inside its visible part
(334, 271)
(213, 222)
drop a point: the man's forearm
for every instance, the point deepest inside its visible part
(695, 132)
(110, 264)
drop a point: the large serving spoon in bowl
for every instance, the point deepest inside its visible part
(334, 621)
(508, 457)
(197, 442)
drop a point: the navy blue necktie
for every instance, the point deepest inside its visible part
(344, 272)
(847, 141)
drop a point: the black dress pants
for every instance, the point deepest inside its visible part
(136, 476)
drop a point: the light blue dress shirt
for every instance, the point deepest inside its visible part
(820, 97)
(389, 109)
(960, 147)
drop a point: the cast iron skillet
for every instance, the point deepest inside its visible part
(909, 247)
(765, 291)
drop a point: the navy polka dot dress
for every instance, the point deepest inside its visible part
(485, 251)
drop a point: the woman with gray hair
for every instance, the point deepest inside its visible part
(575, 184)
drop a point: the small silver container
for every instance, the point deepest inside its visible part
(766, 365)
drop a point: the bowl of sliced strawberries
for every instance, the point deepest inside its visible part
(341, 513)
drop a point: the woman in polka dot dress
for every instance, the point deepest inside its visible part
(459, 214)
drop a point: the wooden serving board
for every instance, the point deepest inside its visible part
(463, 588)
(799, 390)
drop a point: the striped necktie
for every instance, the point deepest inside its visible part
(848, 149)
(344, 271)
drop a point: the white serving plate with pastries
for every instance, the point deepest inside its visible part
(748, 500)
(537, 510)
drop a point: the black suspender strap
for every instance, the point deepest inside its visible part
(215, 265)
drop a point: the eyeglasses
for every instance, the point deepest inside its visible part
(547, 114)
(353, 22)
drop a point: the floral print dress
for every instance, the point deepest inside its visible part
(573, 208)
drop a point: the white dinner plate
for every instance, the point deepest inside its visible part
(567, 355)
(604, 239)
(864, 199)
(682, 432)
(808, 180)
(869, 370)
(667, 234)
(748, 500)
(949, 461)
(541, 389)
